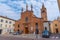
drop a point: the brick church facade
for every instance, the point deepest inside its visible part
(28, 22)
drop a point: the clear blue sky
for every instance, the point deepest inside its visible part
(12, 8)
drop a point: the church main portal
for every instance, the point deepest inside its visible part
(26, 28)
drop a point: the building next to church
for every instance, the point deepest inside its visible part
(55, 26)
(28, 22)
(46, 24)
(58, 4)
(6, 25)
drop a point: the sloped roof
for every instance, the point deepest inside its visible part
(7, 18)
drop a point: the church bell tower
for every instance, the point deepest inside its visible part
(44, 13)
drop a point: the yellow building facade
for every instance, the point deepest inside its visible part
(55, 26)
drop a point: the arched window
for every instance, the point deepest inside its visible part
(26, 19)
(18, 25)
(6, 21)
(1, 20)
(36, 25)
(56, 25)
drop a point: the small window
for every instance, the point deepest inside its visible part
(6, 21)
(18, 25)
(1, 20)
(10, 22)
(55, 24)
(36, 25)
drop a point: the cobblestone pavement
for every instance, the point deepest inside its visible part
(13, 38)
(19, 37)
